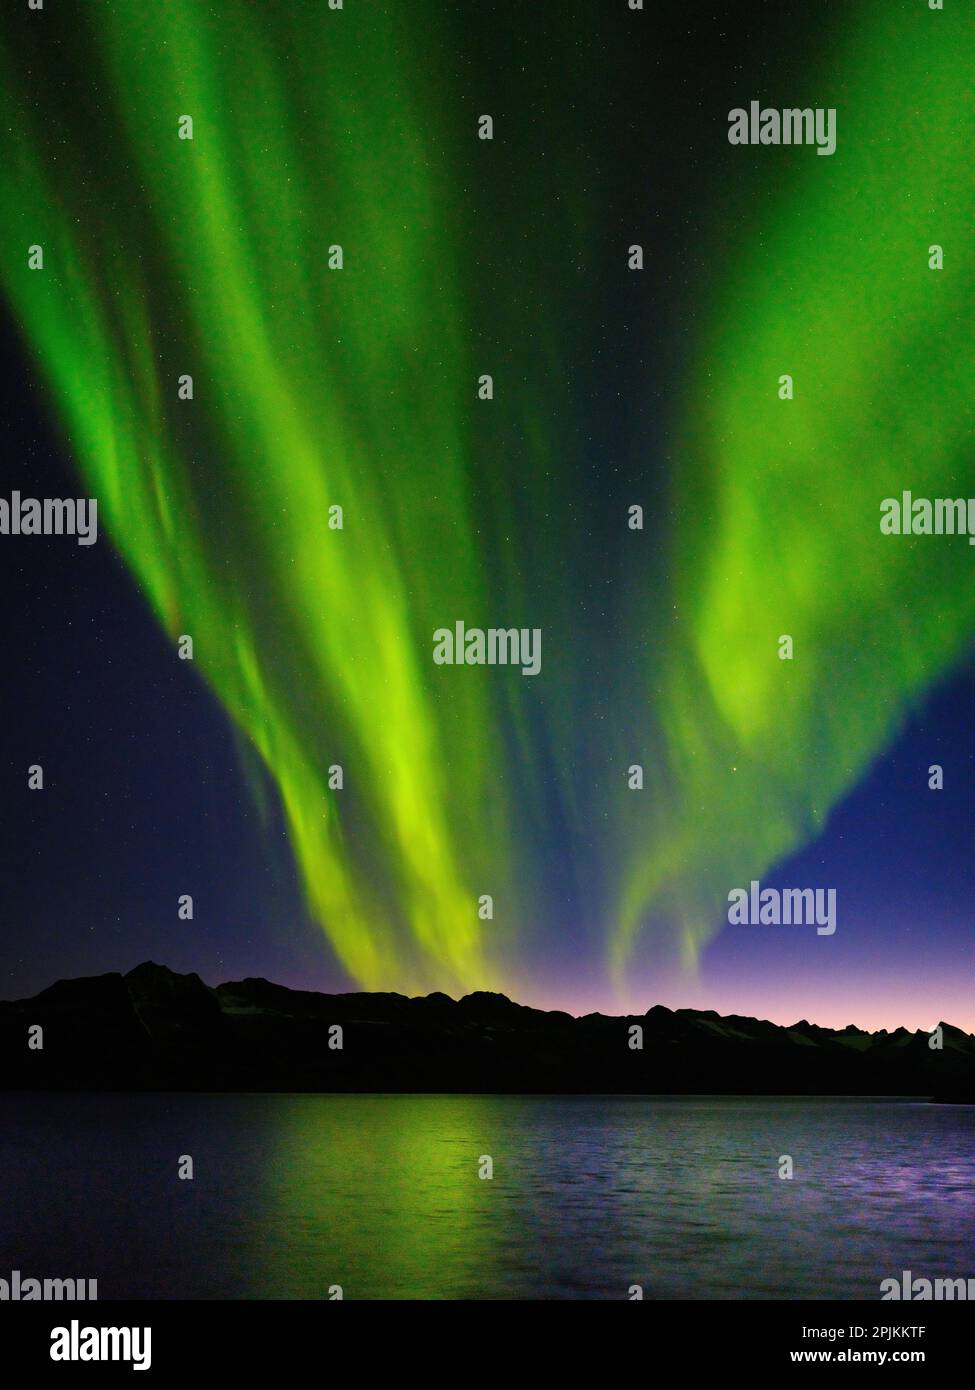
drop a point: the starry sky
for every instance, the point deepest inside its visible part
(613, 387)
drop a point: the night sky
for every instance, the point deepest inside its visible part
(612, 387)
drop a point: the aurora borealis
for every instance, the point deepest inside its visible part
(316, 387)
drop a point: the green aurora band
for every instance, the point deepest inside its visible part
(356, 387)
(782, 499)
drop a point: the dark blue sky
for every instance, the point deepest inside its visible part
(149, 794)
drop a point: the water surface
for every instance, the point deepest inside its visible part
(382, 1195)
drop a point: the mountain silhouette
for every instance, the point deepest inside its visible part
(154, 1029)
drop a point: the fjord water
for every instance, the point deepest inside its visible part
(292, 1194)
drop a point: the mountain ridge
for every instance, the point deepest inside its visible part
(153, 1028)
